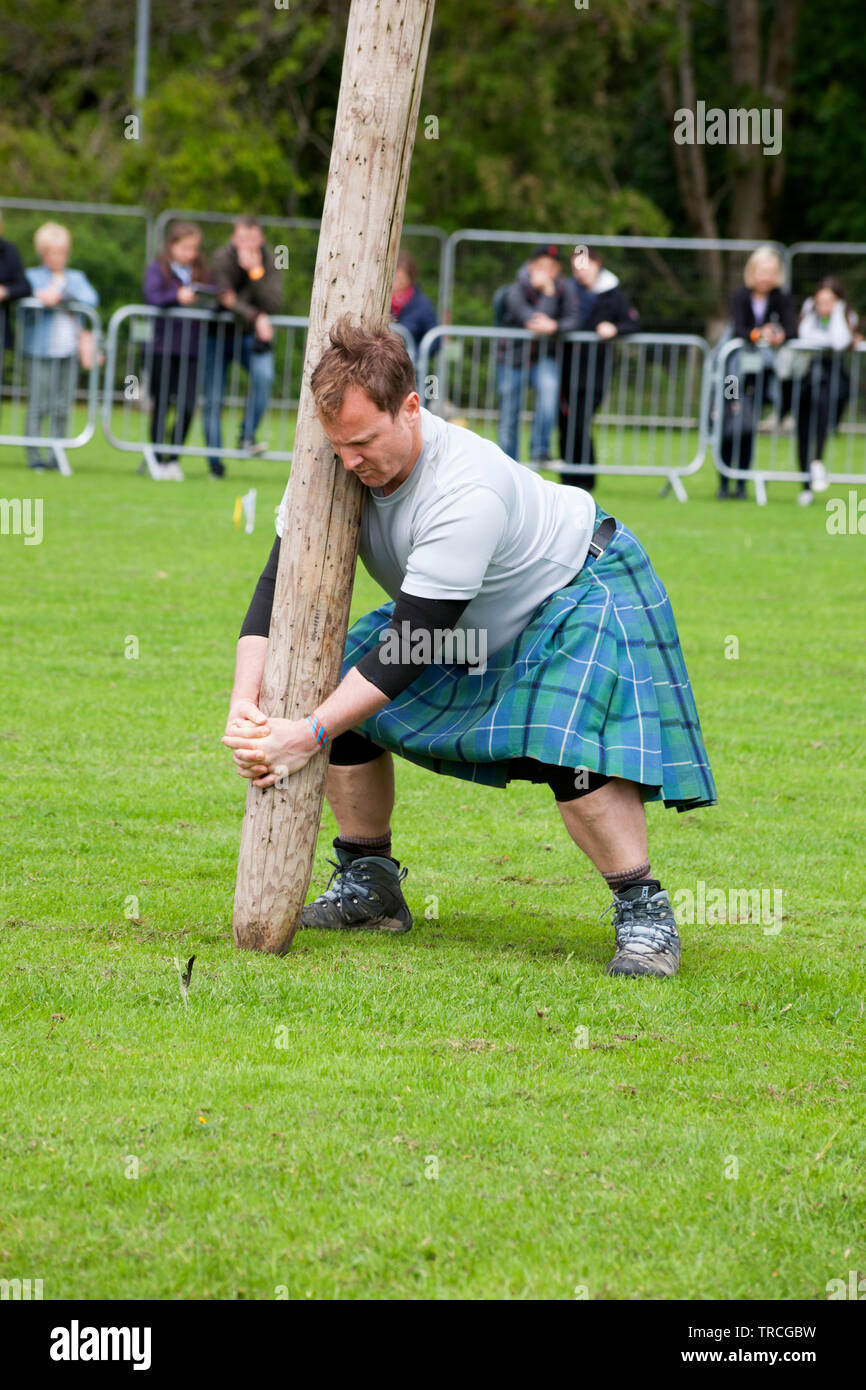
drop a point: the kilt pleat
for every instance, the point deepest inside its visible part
(595, 680)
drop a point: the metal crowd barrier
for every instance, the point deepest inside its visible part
(635, 405)
(639, 404)
(775, 411)
(179, 380)
(163, 397)
(37, 387)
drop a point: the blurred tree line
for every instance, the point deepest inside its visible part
(547, 116)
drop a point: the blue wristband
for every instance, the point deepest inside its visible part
(318, 729)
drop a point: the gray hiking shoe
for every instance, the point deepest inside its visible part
(363, 895)
(647, 941)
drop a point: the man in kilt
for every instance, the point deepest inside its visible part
(569, 671)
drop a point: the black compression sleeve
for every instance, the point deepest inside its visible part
(425, 616)
(258, 620)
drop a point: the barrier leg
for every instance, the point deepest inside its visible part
(678, 486)
(61, 460)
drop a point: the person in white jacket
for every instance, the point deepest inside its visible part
(826, 324)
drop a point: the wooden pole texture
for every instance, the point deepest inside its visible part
(377, 113)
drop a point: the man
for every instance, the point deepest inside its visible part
(581, 683)
(248, 284)
(537, 300)
(600, 306)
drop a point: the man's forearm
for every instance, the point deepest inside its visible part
(354, 700)
(249, 669)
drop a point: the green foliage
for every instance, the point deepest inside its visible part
(549, 117)
(205, 141)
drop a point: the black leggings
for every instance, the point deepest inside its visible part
(567, 783)
(822, 401)
(168, 372)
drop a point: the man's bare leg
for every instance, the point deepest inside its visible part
(609, 825)
(362, 798)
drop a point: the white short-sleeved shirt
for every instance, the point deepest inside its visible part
(470, 523)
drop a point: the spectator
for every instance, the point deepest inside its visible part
(762, 313)
(248, 284)
(537, 300)
(600, 306)
(409, 306)
(13, 285)
(171, 281)
(53, 339)
(827, 324)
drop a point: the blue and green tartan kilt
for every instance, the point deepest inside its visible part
(595, 680)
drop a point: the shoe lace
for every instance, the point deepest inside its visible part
(646, 926)
(347, 878)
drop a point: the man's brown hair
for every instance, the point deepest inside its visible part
(373, 359)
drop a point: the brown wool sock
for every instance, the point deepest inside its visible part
(624, 878)
(380, 846)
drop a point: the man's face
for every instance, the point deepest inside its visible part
(248, 240)
(585, 270)
(369, 443)
(542, 270)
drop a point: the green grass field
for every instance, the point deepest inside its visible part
(414, 1117)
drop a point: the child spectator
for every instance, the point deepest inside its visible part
(172, 281)
(53, 338)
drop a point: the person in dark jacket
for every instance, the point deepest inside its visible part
(600, 306)
(248, 284)
(763, 314)
(13, 285)
(409, 306)
(172, 281)
(536, 300)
